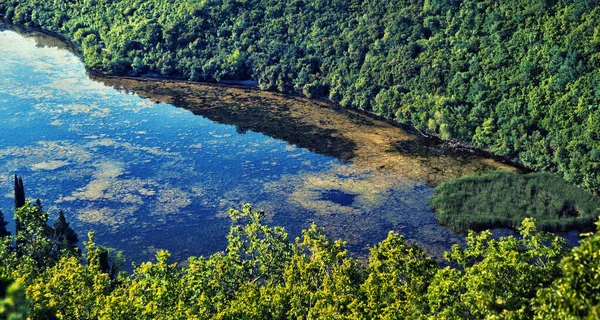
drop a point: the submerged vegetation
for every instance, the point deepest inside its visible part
(262, 275)
(518, 78)
(317, 125)
(504, 199)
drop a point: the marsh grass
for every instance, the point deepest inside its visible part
(504, 199)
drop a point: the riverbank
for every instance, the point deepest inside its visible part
(428, 140)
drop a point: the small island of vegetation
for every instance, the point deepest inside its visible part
(504, 199)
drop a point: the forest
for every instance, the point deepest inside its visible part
(264, 275)
(518, 78)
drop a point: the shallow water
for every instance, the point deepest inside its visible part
(147, 175)
(338, 197)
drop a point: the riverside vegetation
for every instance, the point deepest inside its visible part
(518, 78)
(263, 275)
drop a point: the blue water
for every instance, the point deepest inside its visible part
(146, 176)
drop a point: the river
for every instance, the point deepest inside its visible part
(156, 164)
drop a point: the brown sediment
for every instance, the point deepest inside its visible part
(317, 125)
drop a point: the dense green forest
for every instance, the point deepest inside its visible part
(262, 275)
(504, 199)
(518, 78)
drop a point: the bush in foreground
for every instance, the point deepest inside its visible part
(263, 275)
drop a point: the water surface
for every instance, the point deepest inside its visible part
(123, 159)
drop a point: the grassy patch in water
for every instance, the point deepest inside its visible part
(504, 199)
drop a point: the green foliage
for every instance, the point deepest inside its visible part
(14, 306)
(399, 276)
(497, 278)
(34, 246)
(575, 294)
(3, 223)
(33, 236)
(518, 78)
(64, 237)
(70, 288)
(262, 275)
(503, 199)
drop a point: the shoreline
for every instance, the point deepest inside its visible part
(458, 146)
